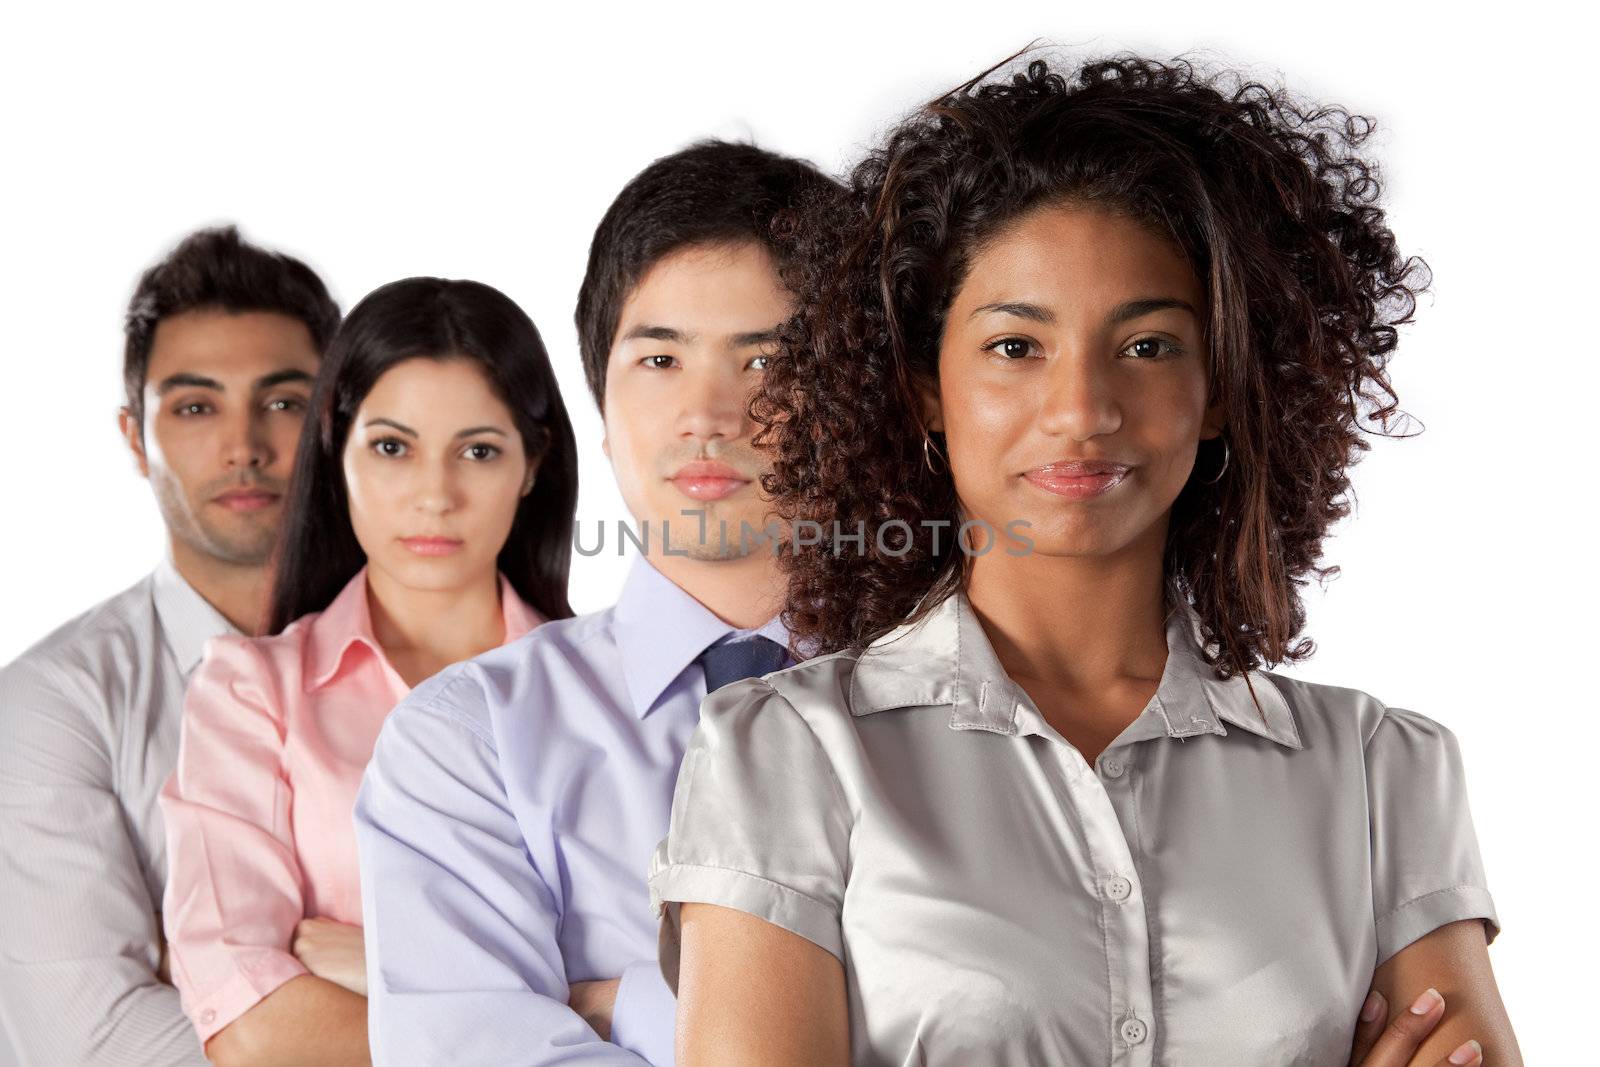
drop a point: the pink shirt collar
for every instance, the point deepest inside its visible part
(347, 622)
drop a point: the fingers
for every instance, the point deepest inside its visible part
(305, 932)
(1468, 1055)
(1406, 1032)
(1374, 1014)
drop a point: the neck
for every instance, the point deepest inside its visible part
(435, 628)
(744, 593)
(1077, 623)
(238, 590)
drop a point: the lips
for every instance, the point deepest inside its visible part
(708, 480)
(432, 546)
(1078, 479)
(246, 500)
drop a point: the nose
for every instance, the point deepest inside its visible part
(713, 403)
(435, 490)
(248, 444)
(1080, 399)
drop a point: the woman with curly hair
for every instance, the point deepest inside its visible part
(1080, 366)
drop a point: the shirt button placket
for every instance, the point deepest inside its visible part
(1103, 798)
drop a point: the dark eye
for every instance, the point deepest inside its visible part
(1011, 347)
(389, 446)
(481, 452)
(658, 362)
(1151, 348)
(193, 407)
(286, 403)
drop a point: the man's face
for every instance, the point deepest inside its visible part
(690, 346)
(224, 398)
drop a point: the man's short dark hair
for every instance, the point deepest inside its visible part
(218, 269)
(709, 193)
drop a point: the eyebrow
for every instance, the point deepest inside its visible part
(1136, 309)
(409, 432)
(185, 380)
(676, 336)
(1124, 312)
(281, 377)
(1031, 312)
(402, 427)
(755, 337)
(658, 333)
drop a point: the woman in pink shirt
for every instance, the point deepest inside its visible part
(429, 519)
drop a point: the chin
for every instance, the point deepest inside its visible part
(1072, 540)
(433, 576)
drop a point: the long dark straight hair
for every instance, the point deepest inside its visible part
(428, 318)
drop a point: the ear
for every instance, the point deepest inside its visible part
(535, 457)
(932, 409)
(133, 434)
(1212, 423)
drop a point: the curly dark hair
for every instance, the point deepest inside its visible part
(1279, 217)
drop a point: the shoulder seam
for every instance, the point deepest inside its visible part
(833, 774)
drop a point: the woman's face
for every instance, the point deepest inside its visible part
(435, 470)
(1072, 382)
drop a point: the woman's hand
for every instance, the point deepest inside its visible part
(595, 1001)
(1381, 1042)
(333, 951)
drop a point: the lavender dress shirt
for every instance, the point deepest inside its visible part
(505, 825)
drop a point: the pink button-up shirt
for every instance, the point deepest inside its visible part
(276, 734)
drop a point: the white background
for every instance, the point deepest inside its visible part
(484, 142)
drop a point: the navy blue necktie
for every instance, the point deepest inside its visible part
(748, 657)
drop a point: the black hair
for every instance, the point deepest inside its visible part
(428, 318)
(216, 268)
(709, 193)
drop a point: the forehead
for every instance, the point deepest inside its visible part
(1073, 255)
(423, 392)
(226, 345)
(709, 291)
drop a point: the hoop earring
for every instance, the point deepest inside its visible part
(927, 453)
(1226, 455)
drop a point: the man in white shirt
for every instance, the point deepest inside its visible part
(223, 340)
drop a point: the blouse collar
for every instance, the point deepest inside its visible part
(945, 659)
(347, 622)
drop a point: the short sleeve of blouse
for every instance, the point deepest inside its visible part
(1426, 870)
(759, 822)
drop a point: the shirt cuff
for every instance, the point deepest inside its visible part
(1422, 915)
(685, 883)
(258, 974)
(644, 1019)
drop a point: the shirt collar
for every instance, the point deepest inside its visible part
(660, 629)
(347, 622)
(187, 619)
(945, 658)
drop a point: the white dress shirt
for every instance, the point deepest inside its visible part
(88, 734)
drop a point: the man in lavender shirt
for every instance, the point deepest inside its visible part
(507, 818)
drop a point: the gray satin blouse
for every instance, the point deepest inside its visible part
(1217, 889)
